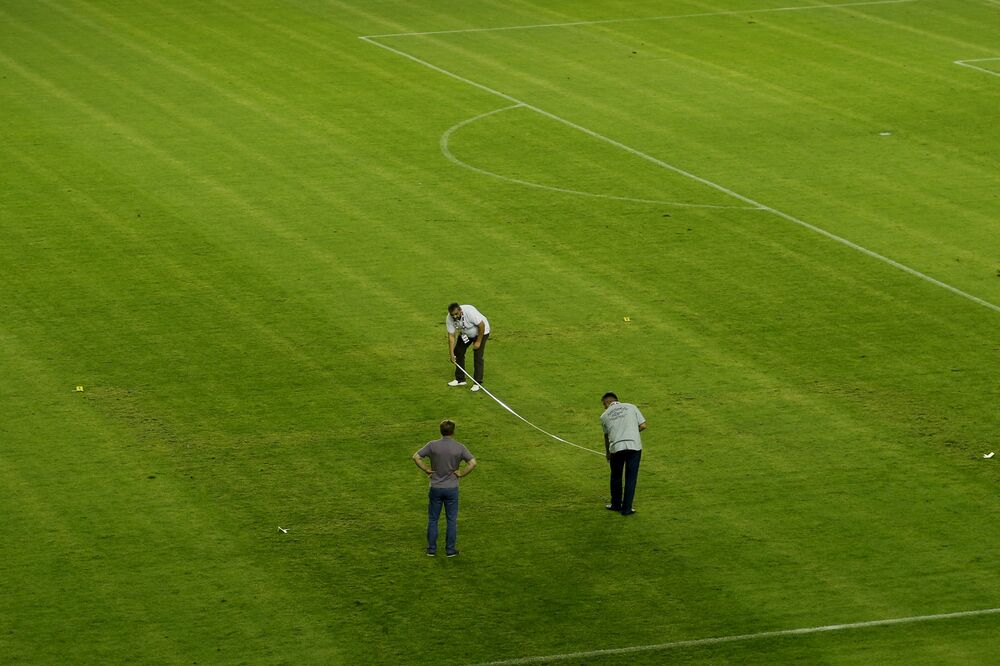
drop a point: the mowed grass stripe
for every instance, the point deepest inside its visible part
(186, 533)
(244, 204)
(107, 547)
(384, 228)
(160, 266)
(238, 146)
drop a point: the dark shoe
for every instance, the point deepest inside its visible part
(452, 553)
(612, 507)
(431, 553)
(629, 512)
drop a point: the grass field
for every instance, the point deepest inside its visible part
(237, 225)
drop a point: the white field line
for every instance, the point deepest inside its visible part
(739, 12)
(678, 170)
(743, 637)
(505, 406)
(446, 151)
(965, 63)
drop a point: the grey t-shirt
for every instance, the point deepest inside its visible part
(621, 422)
(445, 454)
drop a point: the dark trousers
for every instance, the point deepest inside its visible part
(448, 498)
(477, 354)
(626, 461)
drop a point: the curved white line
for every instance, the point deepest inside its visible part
(446, 137)
(507, 407)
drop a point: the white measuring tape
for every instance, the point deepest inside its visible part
(505, 406)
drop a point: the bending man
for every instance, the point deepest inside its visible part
(466, 327)
(622, 423)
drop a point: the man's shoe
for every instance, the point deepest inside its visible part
(431, 553)
(629, 512)
(612, 507)
(455, 382)
(475, 387)
(452, 553)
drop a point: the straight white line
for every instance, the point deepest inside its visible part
(742, 637)
(740, 12)
(965, 63)
(677, 170)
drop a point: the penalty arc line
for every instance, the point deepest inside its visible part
(682, 172)
(742, 637)
(445, 145)
(505, 406)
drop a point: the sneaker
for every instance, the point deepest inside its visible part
(612, 507)
(455, 382)
(431, 553)
(476, 387)
(628, 512)
(452, 553)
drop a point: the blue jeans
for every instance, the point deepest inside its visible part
(624, 461)
(438, 497)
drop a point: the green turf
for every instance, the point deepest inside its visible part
(233, 224)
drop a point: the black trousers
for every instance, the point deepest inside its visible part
(626, 461)
(477, 355)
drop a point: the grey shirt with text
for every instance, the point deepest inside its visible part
(621, 422)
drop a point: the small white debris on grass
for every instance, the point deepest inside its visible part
(283, 530)
(989, 455)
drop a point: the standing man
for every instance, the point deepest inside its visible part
(466, 327)
(622, 424)
(446, 456)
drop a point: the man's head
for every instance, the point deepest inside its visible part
(447, 428)
(455, 310)
(608, 398)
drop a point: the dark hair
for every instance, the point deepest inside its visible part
(453, 306)
(447, 427)
(607, 395)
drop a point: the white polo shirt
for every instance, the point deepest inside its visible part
(469, 322)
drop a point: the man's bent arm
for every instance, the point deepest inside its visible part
(469, 466)
(419, 462)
